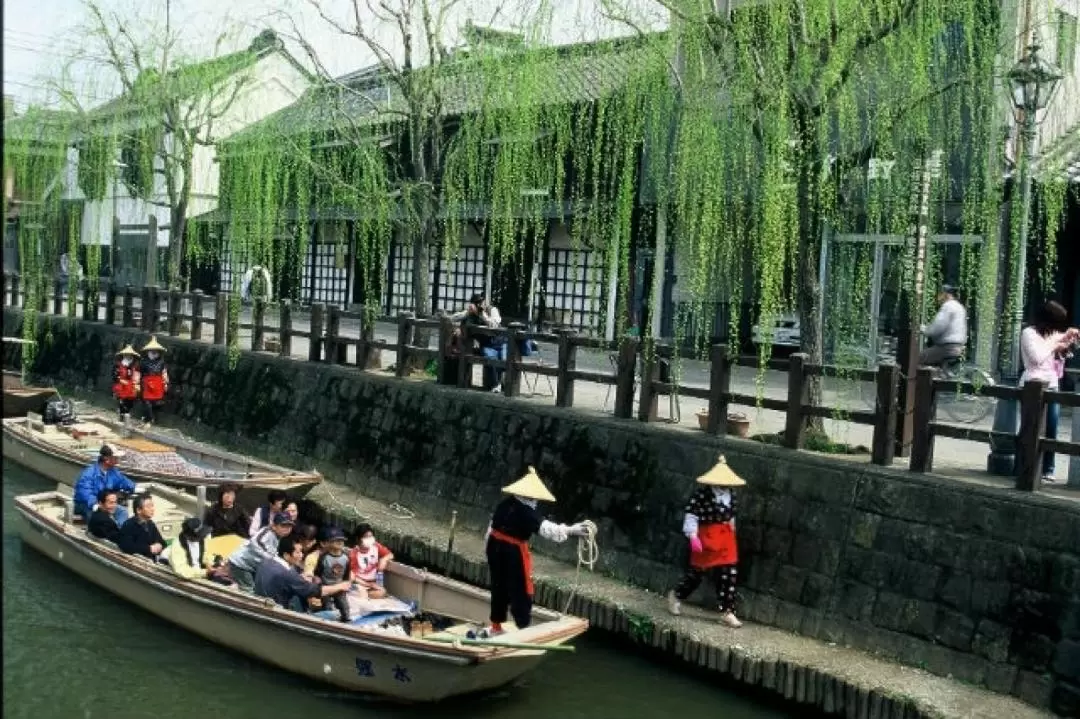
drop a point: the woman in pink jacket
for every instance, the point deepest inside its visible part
(1044, 345)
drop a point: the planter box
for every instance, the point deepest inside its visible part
(738, 425)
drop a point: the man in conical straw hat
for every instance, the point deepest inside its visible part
(513, 523)
(126, 380)
(155, 377)
(709, 524)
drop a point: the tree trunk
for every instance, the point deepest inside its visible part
(421, 284)
(177, 228)
(807, 283)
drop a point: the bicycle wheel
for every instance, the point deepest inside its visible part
(967, 407)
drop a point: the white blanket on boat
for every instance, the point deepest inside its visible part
(361, 606)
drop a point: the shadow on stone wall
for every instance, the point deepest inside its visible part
(970, 581)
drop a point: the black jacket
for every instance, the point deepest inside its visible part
(136, 537)
(103, 526)
(227, 521)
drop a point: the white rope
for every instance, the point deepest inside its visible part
(588, 553)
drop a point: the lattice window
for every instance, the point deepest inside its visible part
(461, 277)
(401, 293)
(573, 290)
(324, 280)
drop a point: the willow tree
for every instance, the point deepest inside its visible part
(168, 108)
(783, 106)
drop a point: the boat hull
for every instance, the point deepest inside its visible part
(347, 659)
(20, 400)
(23, 446)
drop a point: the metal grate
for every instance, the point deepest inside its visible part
(573, 290)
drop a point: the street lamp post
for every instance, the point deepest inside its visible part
(1032, 83)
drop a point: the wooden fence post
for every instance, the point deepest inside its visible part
(221, 317)
(464, 373)
(367, 357)
(886, 406)
(258, 325)
(1029, 450)
(624, 377)
(512, 376)
(334, 349)
(174, 311)
(147, 312)
(110, 303)
(315, 341)
(196, 315)
(798, 395)
(129, 306)
(564, 384)
(58, 297)
(285, 330)
(719, 388)
(446, 332)
(404, 339)
(648, 406)
(922, 439)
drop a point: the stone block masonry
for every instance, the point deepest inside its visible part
(963, 580)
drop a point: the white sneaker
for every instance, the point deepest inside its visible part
(730, 620)
(673, 604)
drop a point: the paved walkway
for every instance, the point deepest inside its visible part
(955, 458)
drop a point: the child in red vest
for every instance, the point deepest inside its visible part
(126, 380)
(155, 377)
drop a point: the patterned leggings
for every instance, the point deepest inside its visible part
(724, 576)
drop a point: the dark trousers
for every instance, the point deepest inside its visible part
(340, 602)
(124, 407)
(724, 577)
(508, 584)
(148, 409)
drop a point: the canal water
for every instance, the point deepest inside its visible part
(74, 651)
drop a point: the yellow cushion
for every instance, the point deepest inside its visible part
(224, 546)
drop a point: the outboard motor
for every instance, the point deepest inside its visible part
(59, 411)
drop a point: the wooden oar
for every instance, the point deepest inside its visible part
(497, 643)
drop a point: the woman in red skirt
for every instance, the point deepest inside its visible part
(709, 524)
(155, 377)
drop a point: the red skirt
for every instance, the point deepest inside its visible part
(718, 546)
(153, 387)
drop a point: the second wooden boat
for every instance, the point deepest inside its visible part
(402, 657)
(62, 452)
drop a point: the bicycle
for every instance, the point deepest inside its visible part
(964, 407)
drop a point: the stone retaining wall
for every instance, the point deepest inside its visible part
(959, 579)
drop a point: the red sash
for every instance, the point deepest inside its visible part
(526, 556)
(153, 387)
(718, 546)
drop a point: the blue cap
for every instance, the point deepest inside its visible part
(332, 533)
(281, 518)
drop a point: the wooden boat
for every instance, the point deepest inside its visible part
(150, 455)
(363, 657)
(20, 399)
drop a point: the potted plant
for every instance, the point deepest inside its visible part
(738, 424)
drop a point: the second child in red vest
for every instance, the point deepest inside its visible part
(125, 388)
(155, 377)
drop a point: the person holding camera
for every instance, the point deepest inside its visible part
(1045, 344)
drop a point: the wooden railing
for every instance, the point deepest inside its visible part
(152, 310)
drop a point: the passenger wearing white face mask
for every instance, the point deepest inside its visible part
(367, 561)
(126, 380)
(513, 523)
(155, 377)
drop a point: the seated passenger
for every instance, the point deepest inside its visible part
(139, 535)
(187, 553)
(305, 535)
(280, 580)
(292, 509)
(225, 517)
(103, 524)
(244, 562)
(332, 567)
(367, 560)
(261, 518)
(102, 474)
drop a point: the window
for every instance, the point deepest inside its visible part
(1066, 41)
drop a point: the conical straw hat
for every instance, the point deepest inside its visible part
(721, 475)
(153, 345)
(128, 350)
(530, 487)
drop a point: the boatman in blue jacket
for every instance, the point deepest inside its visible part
(100, 475)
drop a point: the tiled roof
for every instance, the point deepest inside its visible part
(567, 75)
